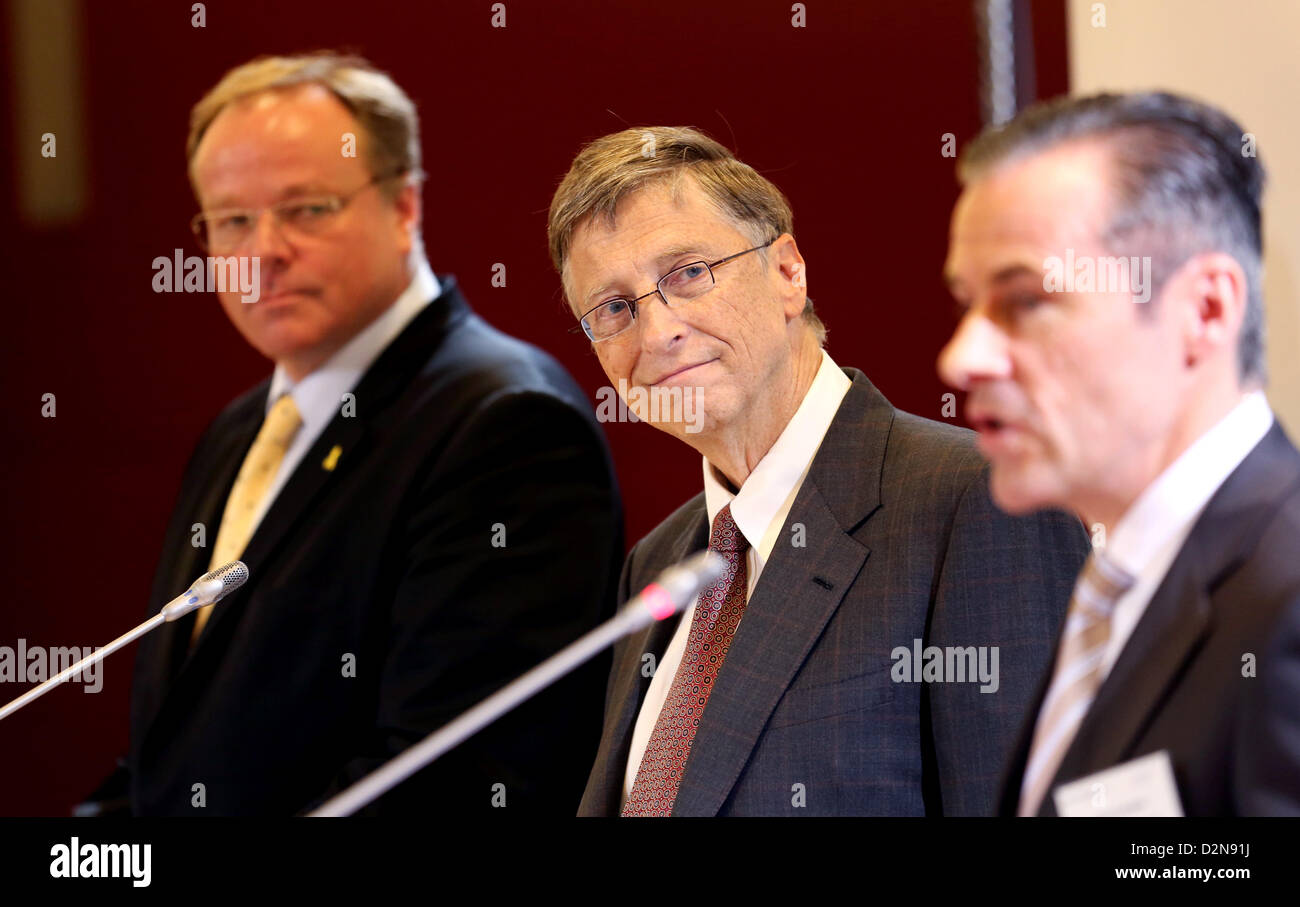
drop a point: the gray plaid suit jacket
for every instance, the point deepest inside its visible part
(901, 542)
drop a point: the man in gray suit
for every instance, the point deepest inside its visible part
(882, 625)
(1107, 250)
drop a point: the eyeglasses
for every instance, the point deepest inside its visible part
(230, 228)
(680, 285)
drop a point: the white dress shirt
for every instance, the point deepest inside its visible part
(759, 509)
(319, 396)
(1151, 532)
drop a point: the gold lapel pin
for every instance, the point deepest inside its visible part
(332, 459)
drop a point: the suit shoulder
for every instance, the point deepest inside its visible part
(929, 461)
(917, 435)
(247, 406)
(934, 457)
(1272, 560)
(495, 362)
(652, 548)
(250, 399)
(677, 522)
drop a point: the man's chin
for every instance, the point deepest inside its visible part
(1017, 491)
(282, 345)
(675, 410)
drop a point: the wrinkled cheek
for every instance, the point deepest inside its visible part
(616, 368)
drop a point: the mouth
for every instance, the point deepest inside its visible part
(280, 295)
(682, 374)
(996, 435)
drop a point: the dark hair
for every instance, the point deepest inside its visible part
(1186, 181)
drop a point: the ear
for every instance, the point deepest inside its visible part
(793, 274)
(1213, 286)
(408, 207)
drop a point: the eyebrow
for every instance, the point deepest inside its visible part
(1008, 274)
(660, 260)
(289, 192)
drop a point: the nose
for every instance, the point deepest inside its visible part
(268, 241)
(661, 328)
(977, 350)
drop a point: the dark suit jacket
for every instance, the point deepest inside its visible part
(902, 543)
(1180, 683)
(388, 560)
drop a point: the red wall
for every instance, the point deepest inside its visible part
(845, 115)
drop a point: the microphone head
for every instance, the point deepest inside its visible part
(677, 586)
(231, 576)
(706, 568)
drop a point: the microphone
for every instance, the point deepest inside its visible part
(674, 588)
(671, 591)
(208, 589)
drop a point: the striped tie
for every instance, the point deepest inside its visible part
(1077, 677)
(261, 464)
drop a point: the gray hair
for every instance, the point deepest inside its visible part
(618, 165)
(1183, 182)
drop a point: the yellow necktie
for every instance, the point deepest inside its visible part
(255, 477)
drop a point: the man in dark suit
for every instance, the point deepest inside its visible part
(426, 506)
(1107, 250)
(836, 667)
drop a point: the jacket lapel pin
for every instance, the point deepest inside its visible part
(331, 460)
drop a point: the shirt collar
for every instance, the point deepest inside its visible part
(1167, 508)
(782, 468)
(319, 394)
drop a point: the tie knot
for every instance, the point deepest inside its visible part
(1103, 583)
(282, 421)
(726, 536)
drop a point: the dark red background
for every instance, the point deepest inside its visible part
(845, 115)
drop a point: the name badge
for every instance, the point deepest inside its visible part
(1142, 787)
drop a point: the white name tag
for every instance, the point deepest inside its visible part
(1143, 787)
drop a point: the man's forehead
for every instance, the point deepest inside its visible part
(1061, 187)
(300, 118)
(295, 131)
(650, 223)
(282, 114)
(1031, 207)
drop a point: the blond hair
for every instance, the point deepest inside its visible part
(613, 167)
(390, 144)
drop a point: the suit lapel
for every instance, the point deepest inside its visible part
(1167, 635)
(171, 641)
(330, 458)
(795, 597)
(309, 478)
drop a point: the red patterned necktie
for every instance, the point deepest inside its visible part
(717, 614)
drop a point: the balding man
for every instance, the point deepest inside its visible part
(426, 505)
